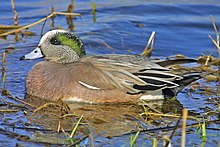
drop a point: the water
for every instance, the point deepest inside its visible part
(121, 27)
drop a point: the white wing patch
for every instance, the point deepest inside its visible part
(88, 86)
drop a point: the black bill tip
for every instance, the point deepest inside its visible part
(22, 58)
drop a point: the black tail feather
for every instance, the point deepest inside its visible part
(187, 79)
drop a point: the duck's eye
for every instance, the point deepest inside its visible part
(54, 41)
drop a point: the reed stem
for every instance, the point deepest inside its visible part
(183, 141)
(39, 21)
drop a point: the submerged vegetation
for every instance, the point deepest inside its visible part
(75, 124)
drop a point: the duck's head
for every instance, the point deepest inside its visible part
(58, 46)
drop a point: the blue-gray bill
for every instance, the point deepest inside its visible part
(36, 53)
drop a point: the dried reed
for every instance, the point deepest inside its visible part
(183, 141)
(15, 19)
(148, 51)
(216, 42)
(3, 68)
(39, 21)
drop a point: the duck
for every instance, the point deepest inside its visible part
(67, 73)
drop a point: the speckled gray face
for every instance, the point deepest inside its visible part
(70, 40)
(58, 46)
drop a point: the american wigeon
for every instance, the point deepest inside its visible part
(69, 75)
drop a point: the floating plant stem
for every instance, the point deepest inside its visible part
(91, 138)
(3, 68)
(166, 142)
(15, 13)
(69, 18)
(93, 7)
(183, 141)
(172, 134)
(52, 11)
(8, 110)
(218, 47)
(58, 127)
(74, 129)
(148, 51)
(216, 42)
(133, 139)
(43, 106)
(8, 27)
(93, 11)
(15, 19)
(203, 131)
(167, 115)
(155, 142)
(215, 28)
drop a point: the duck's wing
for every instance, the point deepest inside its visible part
(130, 59)
(98, 75)
(134, 78)
(169, 63)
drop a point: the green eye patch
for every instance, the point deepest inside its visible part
(72, 41)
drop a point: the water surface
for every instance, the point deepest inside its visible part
(121, 27)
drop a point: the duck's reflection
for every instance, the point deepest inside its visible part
(103, 120)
